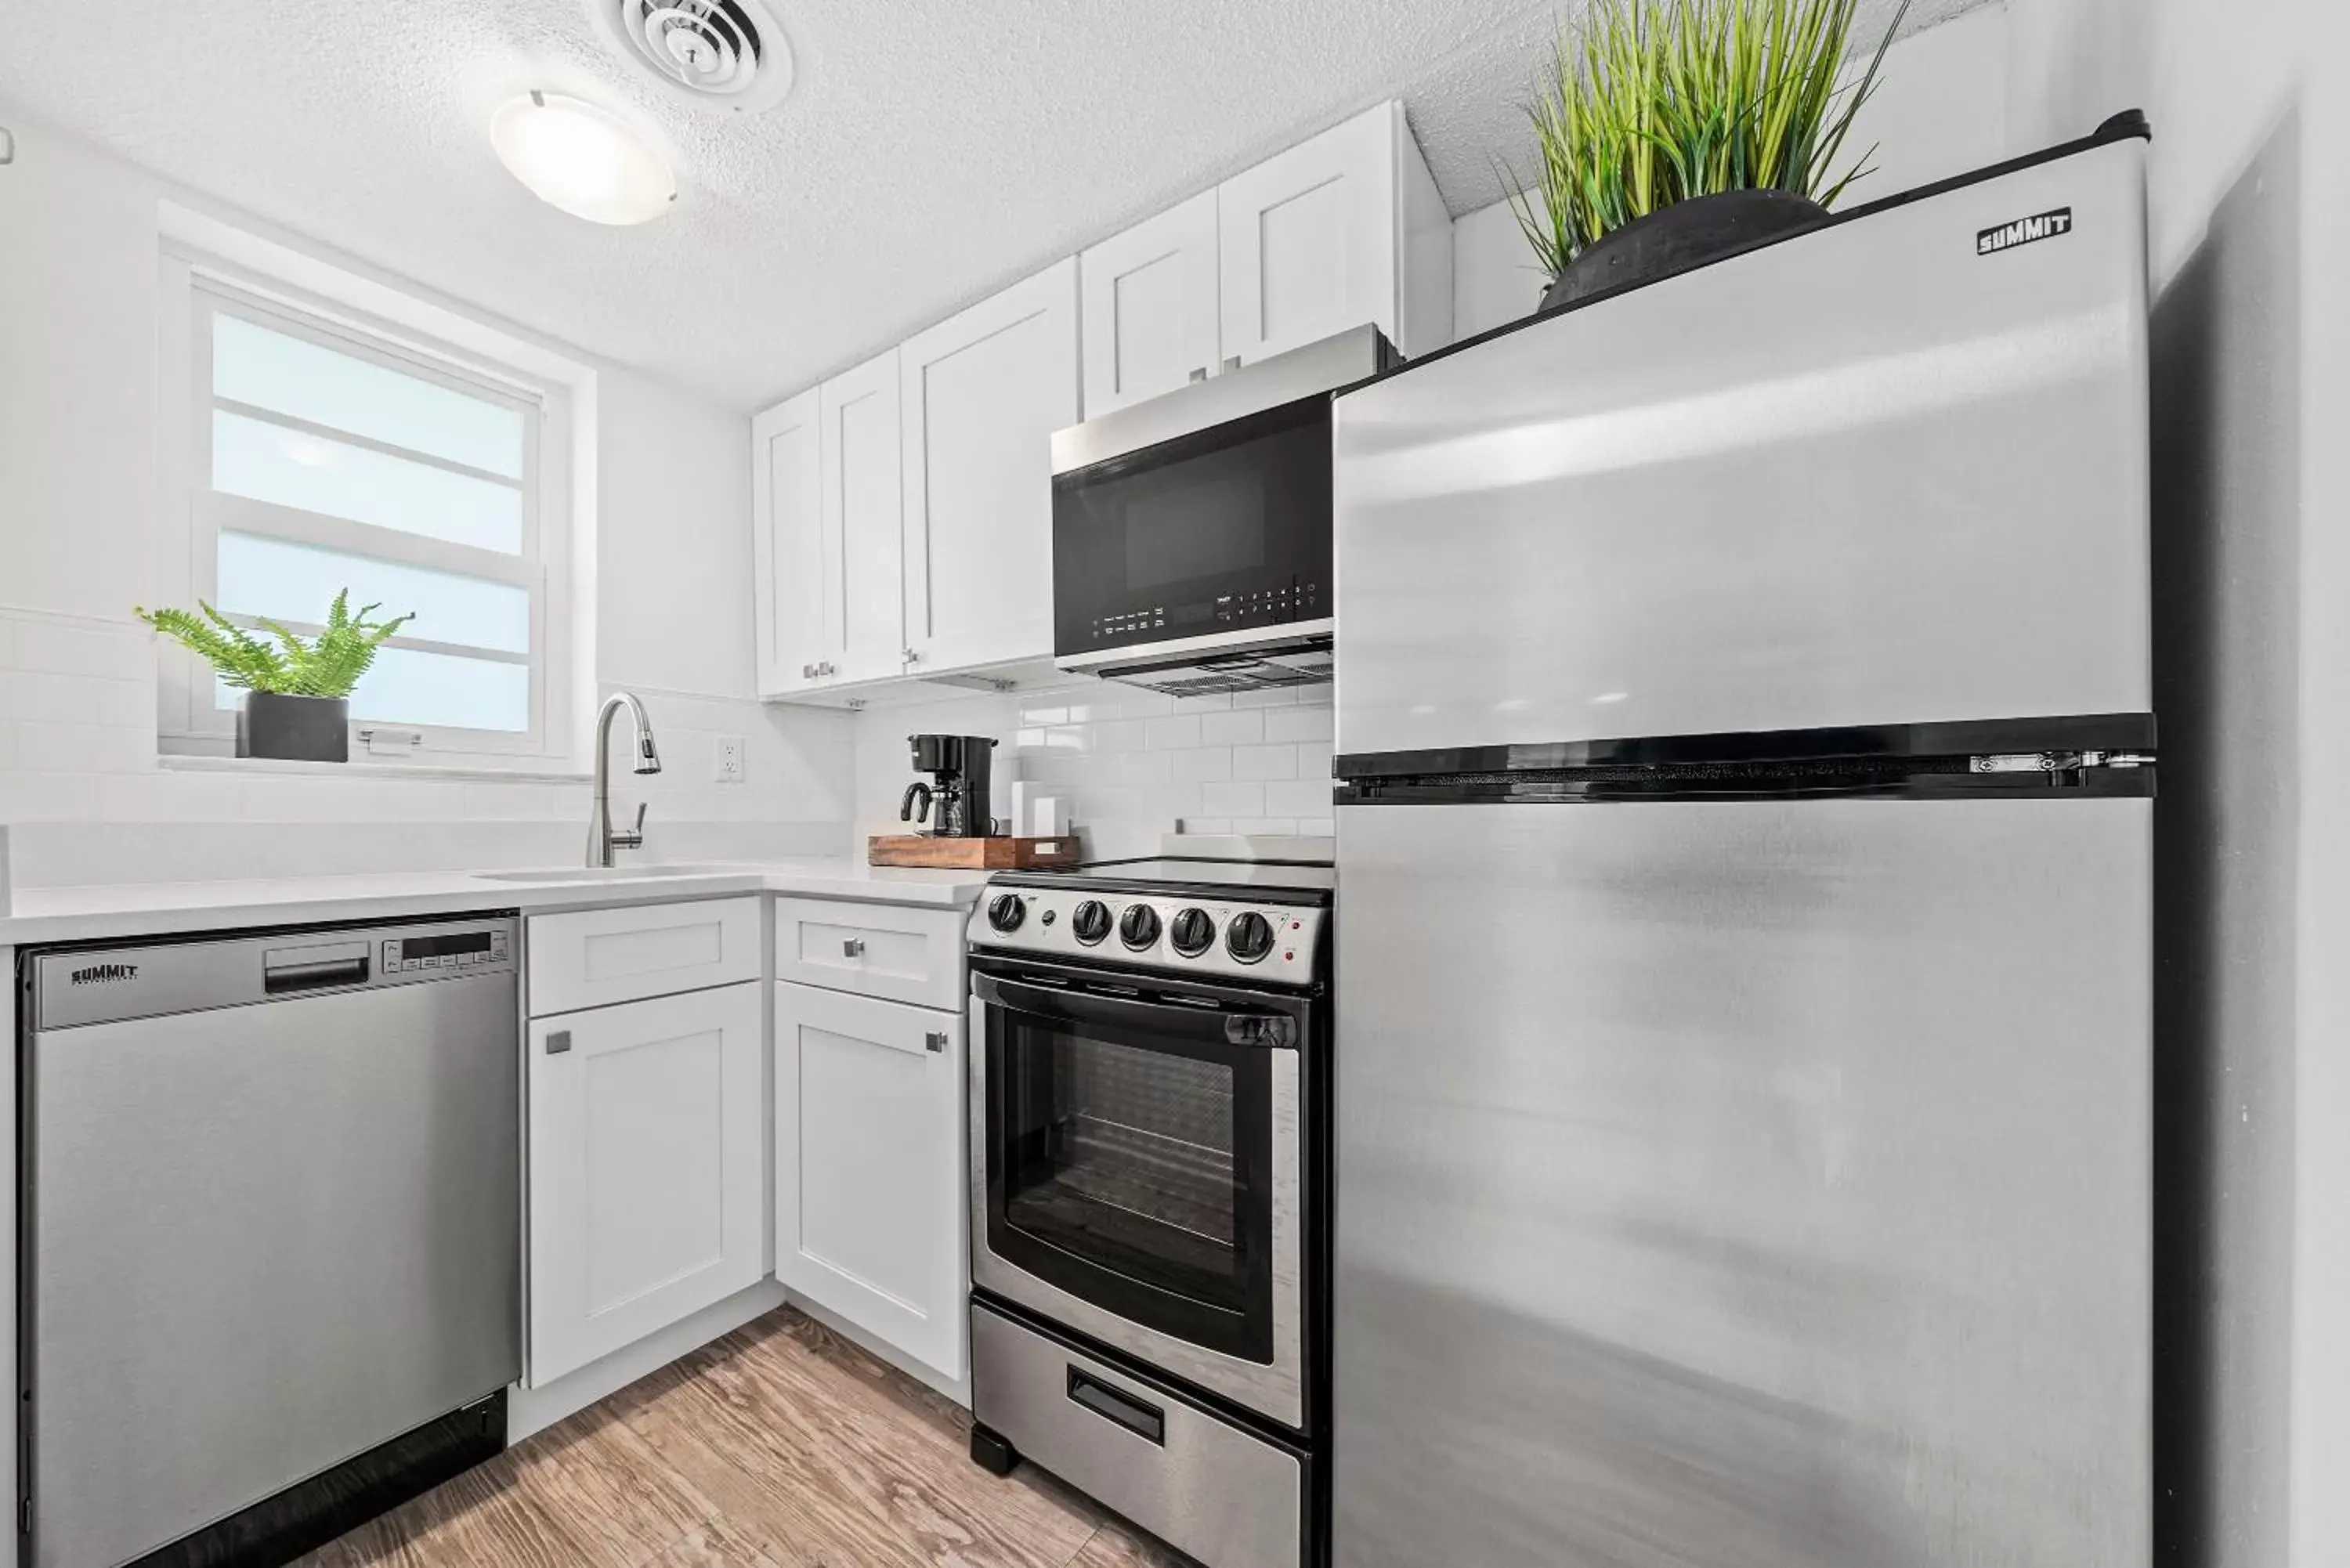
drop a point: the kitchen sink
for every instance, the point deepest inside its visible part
(603, 873)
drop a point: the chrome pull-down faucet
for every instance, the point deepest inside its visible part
(601, 838)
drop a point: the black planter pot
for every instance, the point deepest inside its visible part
(294, 728)
(1683, 235)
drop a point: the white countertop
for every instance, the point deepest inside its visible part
(116, 910)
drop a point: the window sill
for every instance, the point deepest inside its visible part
(476, 772)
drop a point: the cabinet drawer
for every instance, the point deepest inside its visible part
(598, 957)
(876, 950)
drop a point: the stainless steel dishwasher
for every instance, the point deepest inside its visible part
(272, 1263)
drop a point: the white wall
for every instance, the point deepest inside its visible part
(1941, 110)
(78, 412)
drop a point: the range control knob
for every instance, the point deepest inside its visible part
(1007, 912)
(1250, 939)
(1139, 927)
(1192, 933)
(1091, 922)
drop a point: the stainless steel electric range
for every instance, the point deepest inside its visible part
(1150, 1194)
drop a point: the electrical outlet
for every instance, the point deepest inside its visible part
(729, 754)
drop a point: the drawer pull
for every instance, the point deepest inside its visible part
(854, 947)
(1145, 1420)
(559, 1040)
(936, 1040)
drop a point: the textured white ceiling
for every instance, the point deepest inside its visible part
(931, 151)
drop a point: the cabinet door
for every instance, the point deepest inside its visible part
(870, 1168)
(797, 590)
(1149, 306)
(858, 414)
(1308, 239)
(983, 393)
(647, 1170)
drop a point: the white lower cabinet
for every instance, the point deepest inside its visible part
(870, 1168)
(648, 1169)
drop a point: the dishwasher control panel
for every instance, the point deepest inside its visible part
(446, 949)
(70, 987)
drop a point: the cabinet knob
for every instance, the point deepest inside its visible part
(1231, 364)
(913, 656)
(854, 947)
(1200, 373)
(936, 1040)
(559, 1040)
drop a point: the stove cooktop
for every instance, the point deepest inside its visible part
(1170, 873)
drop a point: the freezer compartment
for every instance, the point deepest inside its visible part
(1224, 1495)
(1864, 476)
(1743, 1184)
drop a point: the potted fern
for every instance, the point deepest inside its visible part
(1671, 133)
(297, 693)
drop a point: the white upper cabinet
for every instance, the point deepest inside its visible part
(983, 394)
(860, 458)
(1152, 323)
(799, 620)
(1333, 232)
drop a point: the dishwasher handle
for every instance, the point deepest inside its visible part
(286, 969)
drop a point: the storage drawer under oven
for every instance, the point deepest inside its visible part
(1216, 1491)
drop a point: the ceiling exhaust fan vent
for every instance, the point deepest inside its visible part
(718, 54)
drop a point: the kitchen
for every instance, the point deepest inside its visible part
(808, 513)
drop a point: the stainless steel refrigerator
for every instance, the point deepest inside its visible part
(1746, 760)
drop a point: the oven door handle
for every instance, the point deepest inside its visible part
(1231, 1027)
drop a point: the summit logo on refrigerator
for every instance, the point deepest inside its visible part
(2053, 224)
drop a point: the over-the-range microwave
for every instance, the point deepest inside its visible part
(1192, 533)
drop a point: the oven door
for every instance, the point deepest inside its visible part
(1224, 533)
(1136, 1174)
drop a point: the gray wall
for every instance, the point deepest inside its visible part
(2250, 593)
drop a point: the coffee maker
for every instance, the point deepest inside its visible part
(955, 801)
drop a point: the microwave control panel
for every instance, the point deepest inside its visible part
(1278, 606)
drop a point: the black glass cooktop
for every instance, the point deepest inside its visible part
(1130, 875)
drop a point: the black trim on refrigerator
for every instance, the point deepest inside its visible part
(2095, 756)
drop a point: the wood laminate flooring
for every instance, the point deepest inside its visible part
(780, 1446)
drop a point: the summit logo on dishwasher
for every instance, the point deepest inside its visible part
(105, 974)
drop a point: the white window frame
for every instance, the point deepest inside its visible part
(195, 288)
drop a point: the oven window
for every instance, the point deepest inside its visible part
(1133, 1170)
(1125, 1156)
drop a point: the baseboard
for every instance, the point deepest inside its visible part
(530, 1411)
(954, 1388)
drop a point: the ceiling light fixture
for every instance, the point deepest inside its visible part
(582, 159)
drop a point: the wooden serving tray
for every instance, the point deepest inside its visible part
(972, 853)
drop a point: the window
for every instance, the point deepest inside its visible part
(323, 455)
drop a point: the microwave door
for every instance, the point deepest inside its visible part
(1224, 533)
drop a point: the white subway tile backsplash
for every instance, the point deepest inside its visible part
(79, 700)
(1275, 696)
(1232, 799)
(1173, 732)
(43, 747)
(1298, 797)
(1299, 723)
(111, 653)
(1264, 761)
(1242, 728)
(1284, 825)
(1133, 758)
(1204, 764)
(1317, 827)
(1121, 735)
